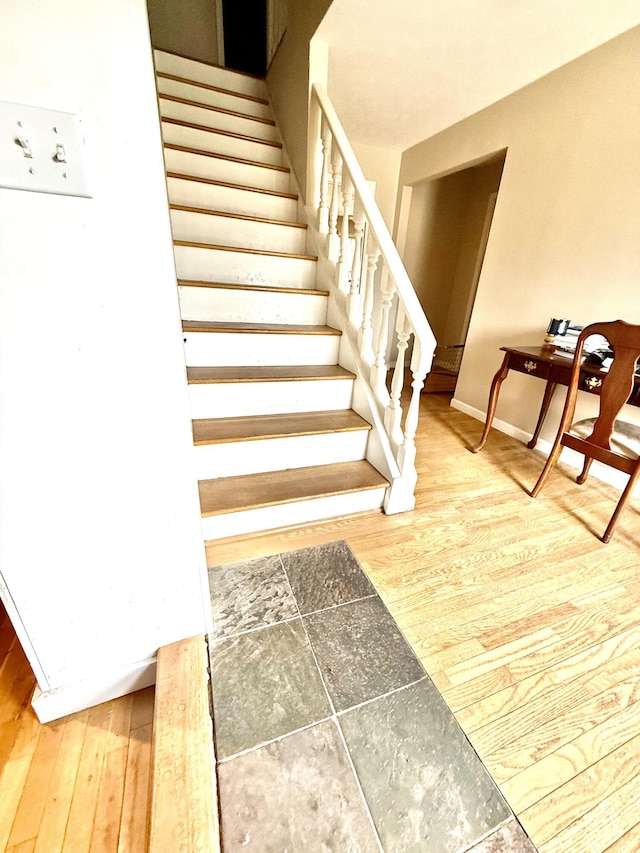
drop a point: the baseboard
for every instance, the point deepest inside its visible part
(575, 460)
(52, 704)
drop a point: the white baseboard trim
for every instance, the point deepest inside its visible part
(52, 704)
(575, 460)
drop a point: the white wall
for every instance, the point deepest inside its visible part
(101, 552)
(564, 239)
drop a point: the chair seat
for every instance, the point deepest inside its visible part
(625, 439)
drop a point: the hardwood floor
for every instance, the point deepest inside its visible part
(78, 784)
(528, 624)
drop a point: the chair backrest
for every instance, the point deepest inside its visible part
(618, 384)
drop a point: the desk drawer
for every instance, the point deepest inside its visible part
(529, 365)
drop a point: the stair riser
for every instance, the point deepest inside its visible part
(182, 191)
(244, 233)
(218, 120)
(228, 349)
(251, 306)
(243, 268)
(213, 76)
(218, 169)
(219, 143)
(301, 512)
(223, 100)
(252, 457)
(235, 400)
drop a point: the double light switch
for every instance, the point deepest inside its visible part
(42, 150)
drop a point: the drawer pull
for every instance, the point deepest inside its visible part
(529, 366)
(592, 382)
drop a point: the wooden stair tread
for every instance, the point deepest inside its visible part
(243, 136)
(227, 214)
(220, 430)
(176, 78)
(225, 285)
(257, 328)
(187, 149)
(279, 373)
(188, 102)
(213, 182)
(249, 250)
(252, 491)
(183, 784)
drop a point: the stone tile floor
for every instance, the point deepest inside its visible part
(329, 734)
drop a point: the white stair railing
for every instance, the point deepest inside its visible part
(383, 317)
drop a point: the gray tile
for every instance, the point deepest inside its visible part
(361, 652)
(425, 786)
(249, 595)
(325, 575)
(264, 684)
(296, 794)
(509, 838)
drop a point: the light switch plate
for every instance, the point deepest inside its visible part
(42, 150)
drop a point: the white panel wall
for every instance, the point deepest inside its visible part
(101, 551)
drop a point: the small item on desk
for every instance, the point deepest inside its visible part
(555, 329)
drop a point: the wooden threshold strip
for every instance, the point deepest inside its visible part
(258, 328)
(211, 88)
(212, 182)
(187, 149)
(255, 427)
(184, 810)
(189, 103)
(225, 285)
(245, 250)
(278, 373)
(255, 491)
(243, 216)
(243, 136)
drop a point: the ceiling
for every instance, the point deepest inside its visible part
(401, 71)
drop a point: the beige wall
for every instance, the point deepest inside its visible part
(187, 27)
(288, 80)
(484, 181)
(564, 240)
(383, 167)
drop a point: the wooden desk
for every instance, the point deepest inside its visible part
(555, 369)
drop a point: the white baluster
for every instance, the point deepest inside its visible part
(379, 369)
(354, 300)
(407, 453)
(393, 412)
(401, 496)
(334, 210)
(323, 207)
(342, 269)
(365, 335)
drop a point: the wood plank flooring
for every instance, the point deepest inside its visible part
(529, 625)
(79, 784)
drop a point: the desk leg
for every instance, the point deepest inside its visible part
(498, 379)
(544, 408)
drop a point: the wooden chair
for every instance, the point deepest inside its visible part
(610, 441)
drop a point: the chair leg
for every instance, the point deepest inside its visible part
(582, 476)
(548, 468)
(623, 499)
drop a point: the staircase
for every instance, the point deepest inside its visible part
(276, 440)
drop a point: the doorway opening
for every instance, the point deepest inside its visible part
(245, 35)
(447, 231)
